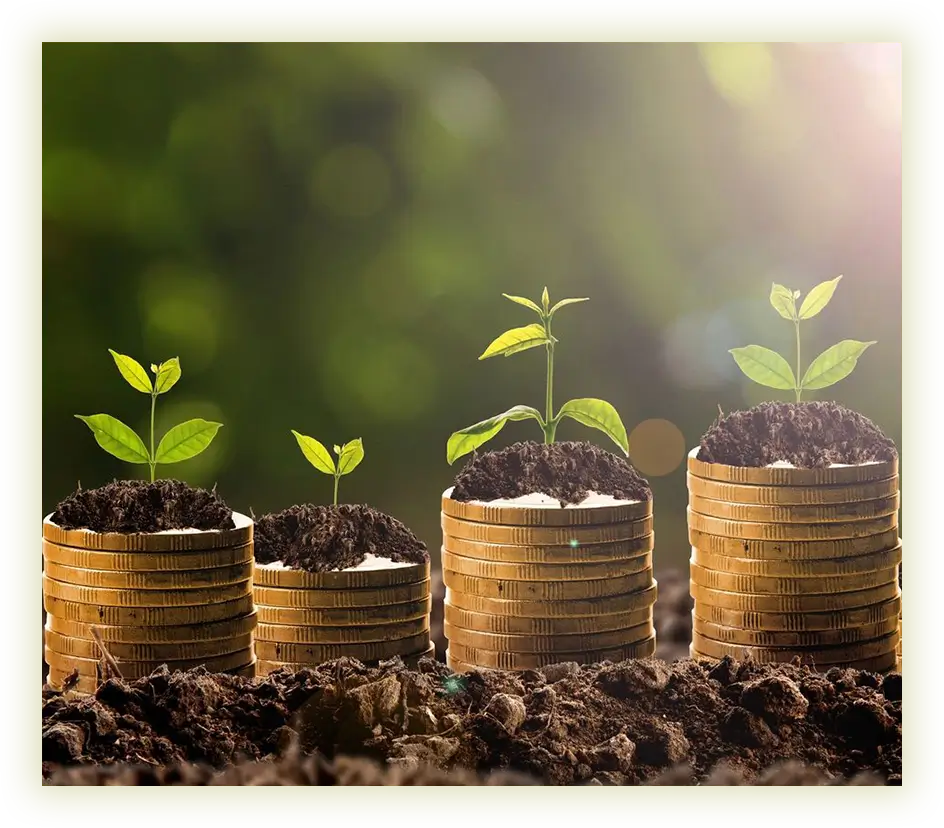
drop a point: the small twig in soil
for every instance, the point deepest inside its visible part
(720, 412)
(108, 662)
(70, 680)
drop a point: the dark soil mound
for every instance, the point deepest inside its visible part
(137, 506)
(323, 538)
(614, 723)
(809, 435)
(566, 471)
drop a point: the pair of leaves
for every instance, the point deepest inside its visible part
(595, 413)
(529, 336)
(166, 374)
(769, 368)
(349, 455)
(784, 300)
(180, 443)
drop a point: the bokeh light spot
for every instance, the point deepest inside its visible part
(351, 181)
(742, 73)
(656, 447)
(466, 104)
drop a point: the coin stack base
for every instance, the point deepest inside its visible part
(308, 618)
(131, 603)
(791, 563)
(531, 586)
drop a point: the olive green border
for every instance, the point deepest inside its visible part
(21, 36)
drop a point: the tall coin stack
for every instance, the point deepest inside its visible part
(793, 562)
(183, 599)
(531, 586)
(307, 618)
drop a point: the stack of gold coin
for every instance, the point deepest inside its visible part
(791, 562)
(528, 586)
(308, 618)
(183, 599)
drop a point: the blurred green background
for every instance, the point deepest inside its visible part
(322, 233)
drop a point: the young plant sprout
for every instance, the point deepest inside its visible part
(349, 457)
(591, 412)
(180, 443)
(769, 368)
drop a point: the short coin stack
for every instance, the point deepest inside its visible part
(531, 586)
(793, 562)
(308, 618)
(183, 599)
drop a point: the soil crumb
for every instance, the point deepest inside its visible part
(324, 538)
(809, 435)
(625, 723)
(566, 471)
(138, 506)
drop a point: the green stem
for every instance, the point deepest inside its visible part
(337, 479)
(550, 426)
(152, 462)
(799, 390)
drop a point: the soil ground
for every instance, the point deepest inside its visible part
(139, 506)
(807, 434)
(324, 538)
(566, 471)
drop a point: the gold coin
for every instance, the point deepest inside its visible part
(531, 661)
(570, 554)
(852, 565)
(547, 644)
(88, 684)
(474, 512)
(182, 541)
(879, 664)
(333, 617)
(798, 621)
(747, 530)
(344, 579)
(185, 634)
(831, 513)
(184, 579)
(320, 653)
(337, 598)
(83, 648)
(758, 585)
(785, 476)
(265, 667)
(793, 603)
(145, 597)
(544, 572)
(819, 655)
(520, 625)
(341, 635)
(538, 535)
(140, 669)
(791, 495)
(412, 661)
(792, 550)
(146, 561)
(628, 602)
(146, 616)
(546, 590)
(821, 638)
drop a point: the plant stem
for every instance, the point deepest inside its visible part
(550, 426)
(152, 462)
(337, 478)
(799, 390)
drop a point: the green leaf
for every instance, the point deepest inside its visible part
(545, 299)
(470, 438)
(316, 453)
(517, 339)
(186, 440)
(167, 375)
(600, 415)
(783, 301)
(765, 366)
(564, 302)
(154, 368)
(526, 302)
(132, 371)
(818, 298)
(337, 449)
(116, 438)
(351, 455)
(834, 364)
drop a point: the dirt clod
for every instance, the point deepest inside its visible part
(661, 743)
(776, 698)
(509, 711)
(566, 471)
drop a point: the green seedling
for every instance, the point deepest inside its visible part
(769, 368)
(349, 457)
(180, 443)
(591, 412)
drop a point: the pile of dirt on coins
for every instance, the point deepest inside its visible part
(614, 723)
(324, 538)
(566, 471)
(296, 769)
(808, 435)
(139, 506)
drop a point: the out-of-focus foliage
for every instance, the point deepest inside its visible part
(321, 232)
